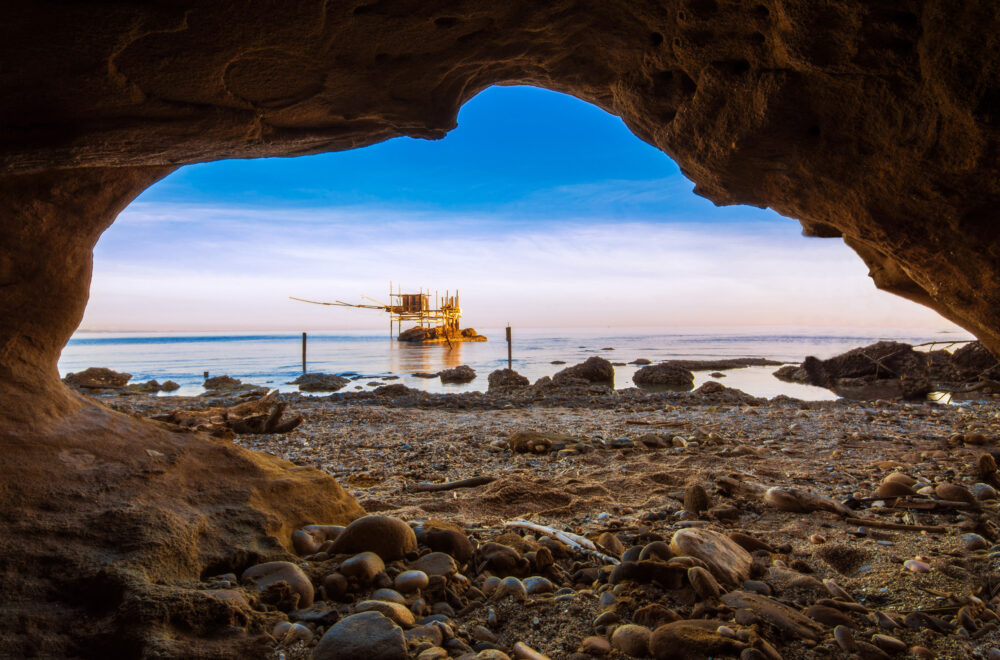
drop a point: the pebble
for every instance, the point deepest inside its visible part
(595, 645)
(394, 611)
(409, 581)
(889, 644)
(728, 562)
(610, 544)
(433, 653)
(703, 583)
(607, 600)
(272, 572)
(984, 492)
(490, 584)
(538, 585)
(696, 499)
(445, 537)
(335, 585)
(845, 639)
(389, 595)
(757, 586)
(389, 538)
(916, 566)
(692, 639)
(364, 566)
(524, 652)
(482, 634)
(436, 563)
(606, 619)
(954, 492)
(511, 586)
(492, 654)
(817, 539)
(631, 640)
(368, 635)
(973, 542)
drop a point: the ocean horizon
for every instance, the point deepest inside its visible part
(368, 356)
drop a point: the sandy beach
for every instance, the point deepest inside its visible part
(631, 469)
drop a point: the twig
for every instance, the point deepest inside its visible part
(472, 482)
(575, 541)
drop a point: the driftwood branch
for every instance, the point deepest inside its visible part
(575, 541)
(472, 482)
(264, 415)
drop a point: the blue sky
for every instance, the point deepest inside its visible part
(538, 206)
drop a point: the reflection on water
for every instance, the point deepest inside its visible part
(274, 359)
(407, 358)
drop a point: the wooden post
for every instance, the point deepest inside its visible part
(509, 350)
(303, 352)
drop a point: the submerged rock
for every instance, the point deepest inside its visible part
(665, 374)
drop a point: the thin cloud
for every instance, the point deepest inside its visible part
(190, 267)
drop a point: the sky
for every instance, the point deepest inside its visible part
(543, 210)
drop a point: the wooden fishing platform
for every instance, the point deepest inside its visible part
(433, 324)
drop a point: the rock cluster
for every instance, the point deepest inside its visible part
(898, 369)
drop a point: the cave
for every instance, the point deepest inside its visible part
(877, 122)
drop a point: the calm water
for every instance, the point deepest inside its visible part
(273, 359)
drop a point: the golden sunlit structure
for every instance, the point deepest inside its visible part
(433, 324)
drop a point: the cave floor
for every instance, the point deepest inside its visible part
(619, 482)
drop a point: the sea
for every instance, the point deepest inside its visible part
(273, 359)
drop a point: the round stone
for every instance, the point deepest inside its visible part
(916, 566)
(538, 585)
(273, 572)
(363, 566)
(436, 563)
(389, 595)
(389, 538)
(631, 640)
(973, 542)
(511, 586)
(408, 581)
(394, 611)
(368, 635)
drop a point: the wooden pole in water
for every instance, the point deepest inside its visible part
(303, 352)
(509, 350)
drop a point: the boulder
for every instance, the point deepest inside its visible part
(593, 370)
(665, 374)
(506, 380)
(317, 382)
(369, 635)
(222, 383)
(97, 378)
(389, 538)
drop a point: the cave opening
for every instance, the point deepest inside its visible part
(550, 213)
